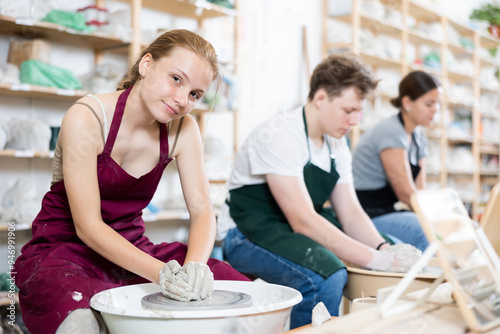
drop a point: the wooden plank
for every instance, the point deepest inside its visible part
(5, 300)
(417, 38)
(379, 62)
(58, 33)
(377, 27)
(26, 154)
(42, 92)
(487, 41)
(489, 148)
(194, 10)
(488, 62)
(4, 226)
(462, 29)
(459, 77)
(422, 13)
(459, 50)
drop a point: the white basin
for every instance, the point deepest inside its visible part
(123, 314)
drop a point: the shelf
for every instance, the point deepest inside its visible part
(148, 218)
(379, 62)
(422, 13)
(488, 41)
(488, 62)
(460, 104)
(415, 37)
(489, 89)
(466, 173)
(434, 174)
(5, 300)
(26, 154)
(166, 215)
(485, 171)
(375, 26)
(489, 150)
(382, 95)
(459, 77)
(58, 33)
(459, 50)
(420, 67)
(416, 10)
(488, 146)
(198, 9)
(489, 115)
(42, 92)
(4, 226)
(433, 133)
(462, 29)
(460, 141)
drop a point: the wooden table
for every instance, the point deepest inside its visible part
(438, 315)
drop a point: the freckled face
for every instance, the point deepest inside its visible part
(172, 85)
(341, 113)
(423, 109)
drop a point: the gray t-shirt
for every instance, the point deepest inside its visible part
(367, 168)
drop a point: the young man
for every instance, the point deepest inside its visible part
(277, 226)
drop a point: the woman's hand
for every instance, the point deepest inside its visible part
(174, 283)
(200, 279)
(395, 258)
(193, 281)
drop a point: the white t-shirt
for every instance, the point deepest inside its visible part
(279, 146)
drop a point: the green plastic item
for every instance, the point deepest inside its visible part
(35, 72)
(5, 283)
(68, 19)
(223, 3)
(467, 43)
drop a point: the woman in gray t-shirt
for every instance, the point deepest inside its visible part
(389, 160)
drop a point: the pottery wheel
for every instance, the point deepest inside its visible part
(221, 299)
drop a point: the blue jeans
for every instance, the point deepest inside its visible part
(248, 258)
(403, 225)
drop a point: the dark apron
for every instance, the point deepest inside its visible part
(381, 201)
(261, 220)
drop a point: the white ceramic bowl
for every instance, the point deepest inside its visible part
(123, 314)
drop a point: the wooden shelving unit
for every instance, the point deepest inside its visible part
(412, 11)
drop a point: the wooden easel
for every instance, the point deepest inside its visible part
(490, 219)
(466, 258)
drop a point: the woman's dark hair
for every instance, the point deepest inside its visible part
(163, 47)
(414, 85)
(338, 72)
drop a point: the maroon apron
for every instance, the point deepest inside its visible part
(57, 273)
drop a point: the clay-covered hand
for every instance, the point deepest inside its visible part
(200, 279)
(395, 258)
(174, 283)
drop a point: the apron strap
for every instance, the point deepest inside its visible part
(307, 136)
(413, 138)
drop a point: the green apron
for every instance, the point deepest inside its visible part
(260, 219)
